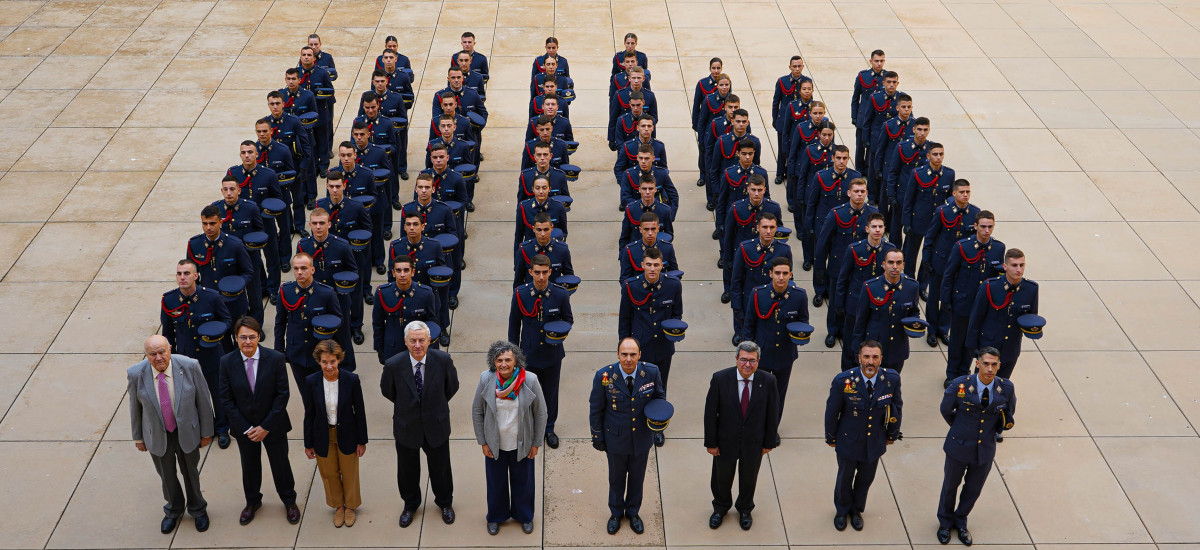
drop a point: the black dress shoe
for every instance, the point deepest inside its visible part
(830, 341)
(620, 208)
(946, 383)
(248, 514)
(168, 525)
(357, 335)
(397, 206)
(659, 439)
(406, 518)
(945, 340)
(778, 180)
(284, 267)
(818, 300)
(999, 438)
(381, 270)
(710, 206)
(223, 440)
(635, 523)
(324, 174)
(791, 208)
(924, 296)
(931, 340)
(735, 340)
(964, 536)
(725, 298)
(470, 206)
(447, 515)
(715, 520)
(404, 175)
(527, 527)
(700, 182)
(552, 440)
(614, 524)
(311, 204)
(839, 522)
(463, 264)
(444, 340)
(716, 234)
(202, 523)
(943, 535)
(387, 234)
(293, 513)
(807, 265)
(856, 521)
(369, 299)
(720, 263)
(493, 528)
(273, 298)
(745, 520)
(453, 302)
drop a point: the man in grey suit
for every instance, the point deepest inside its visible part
(172, 416)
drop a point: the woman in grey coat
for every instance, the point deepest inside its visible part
(510, 421)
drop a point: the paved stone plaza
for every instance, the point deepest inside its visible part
(1077, 122)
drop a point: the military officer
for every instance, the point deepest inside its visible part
(398, 70)
(560, 126)
(723, 152)
(184, 309)
(890, 135)
(448, 185)
(816, 157)
(647, 203)
(376, 157)
(296, 100)
(620, 392)
(897, 171)
(882, 303)
(533, 305)
(769, 310)
(299, 302)
(792, 115)
(397, 304)
(705, 86)
(542, 243)
(462, 125)
(346, 215)
(752, 266)
(360, 182)
(805, 131)
(952, 221)
(382, 131)
(732, 182)
(276, 158)
(541, 168)
(288, 130)
(218, 255)
(458, 151)
(992, 401)
(631, 255)
(971, 261)
(842, 226)
(928, 187)
(862, 417)
(467, 99)
(787, 90)
(538, 80)
(828, 189)
(558, 148)
(866, 83)
(620, 103)
(550, 90)
(628, 151)
(630, 181)
(998, 303)
(315, 79)
(620, 81)
(392, 107)
(863, 261)
(741, 222)
(540, 203)
(426, 254)
(332, 254)
(647, 300)
(239, 217)
(439, 219)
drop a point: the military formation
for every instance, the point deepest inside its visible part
(897, 251)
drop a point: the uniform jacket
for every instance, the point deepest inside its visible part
(973, 427)
(616, 416)
(859, 424)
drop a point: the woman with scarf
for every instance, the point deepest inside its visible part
(509, 413)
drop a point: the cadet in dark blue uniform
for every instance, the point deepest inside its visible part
(468, 101)
(620, 80)
(360, 182)
(971, 261)
(882, 303)
(620, 103)
(863, 261)
(560, 127)
(630, 42)
(238, 218)
(873, 112)
(826, 191)
(752, 266)
(561, 65)
(769, 309)
(184, 309)
(272, 158)
(732, 182)
(479, 61)
(346, 215)
(458, 151)
(928, 187)
(426, 254)
(787, 90)
(979, 407)
(890, 135)
(630, 181)
(439, 219)
(998, 303)
(550, 90)
(540, 203)
(317, 80)
(396, 305)
(715, 119)
(332, 254)
(705, 86)
(647, 203)
(534, 305)
(398, 70)
(814, 158)
(842, 226)
(541, 168)
(299, 102)
(723, 152)
(299, 302)
(391, 106)
(462, 125)
(219, 255)
(628, 151)
(542, 243)
(897, 171)
(288, 130)
(472, 80)
(646, 301)
(559, 154)
(619, 395)
(953, 221)
(741, 223)
(448, 185)
(382, 131)
(630, 256)
(865, 84)
(805, 131)
(537, 82)
(376, 157)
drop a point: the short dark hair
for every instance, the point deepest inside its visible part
(782, 260)
(292, 71)
(960, 182)
(989, 350)
(756, 179)
(653, 254)
(370, 96)
(877, 216)
(542, 217)
(740, 112)
(841, 149)
(191, 262)
(648, 217)
(404, 259)
(247, 322)
(870, 344)
(890, 74)
(877, 53)
(645, 148)
(540, 259)
(274, 94)
(637, 94)
(985, 214)
(745, 143)
(903, 97)
(1014, 254)
(768, 216)
(921, 121)
(210, 211)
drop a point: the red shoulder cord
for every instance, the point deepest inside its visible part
(827, 188)
(176, 312)
(629, 216)
(886, 297)
(860, 262)
(949, 223)
(973, 259)
(636, 267)
(917, 176)
(286, 305)
(845, 224)
(537, 304)
(753, 263)
(864, 83)
(787, 91)
(1007, 298)
(629, 292)
(908, 160)
(383, 303)
(207, 256)
(758, 311)
(745, 222)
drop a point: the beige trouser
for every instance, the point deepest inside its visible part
(339, 472)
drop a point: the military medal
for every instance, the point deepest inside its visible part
(604, 381)
(962, 390)
(849, 388)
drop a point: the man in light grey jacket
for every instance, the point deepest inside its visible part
(172, 417)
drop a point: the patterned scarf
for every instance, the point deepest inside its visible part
(511, 388)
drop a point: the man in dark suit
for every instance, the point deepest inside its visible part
(615, 422)
(172, 418)
(741, 423)
(978, 406)
(254, 394)
(420, 384)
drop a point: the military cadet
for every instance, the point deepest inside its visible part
(805, 131)
(862, 417)
(928, 187)
(375, 157)
(184, 309)
(998, 303)
(479, 62)
(458, 150)
(298, 101)
(426, 254)
(391, 106)
(620, 81)
(647, 300)
(828, 189)
(890, 135)
(732, 181)
(382, 132)
(648, 203)
(723, 153)
(471, 79)
(630, 256)
(816, 157)
(752, 266)
(541, 202)
(952, 221)
(620, 392)
(347, 215)
(713, 107)
(897, 171)
(790, 115)
(218, 255)
(397, 304)
(288, 130)
(882, 303)
(560, 127)
(705, 86)
(276, 157)
(787, 90)
(630, 42)
(439, 220)
(866, 83)
(550, 91)
(542, 168)
(620, 103)
(533, 305)
(316, 80)
(256, 183)
(842, 226)
(448, 185)
(324, 60)
(542, 243)
(741, 222)
(627, 153)
(537, 82)
(360, 182)
(561, 65)
(874, 111)
(467, 99)
(462, 125)
(332, 255)
(559, 154)
(863, 261)
(300, 302)
(769, 310)
(399, 77)
(240, 217)
(630, 181)
(970, 262)
(992, 400)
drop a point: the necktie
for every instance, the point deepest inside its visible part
(984, 397)
(164, 401)
(250, 373)
(870, 388)
(745, 396)
(420, 381)
(629, 384)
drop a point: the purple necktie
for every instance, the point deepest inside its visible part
(250, 372)
(745, 396)
(164, 401)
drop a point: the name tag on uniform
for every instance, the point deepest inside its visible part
(552, 310)
(667, 302)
